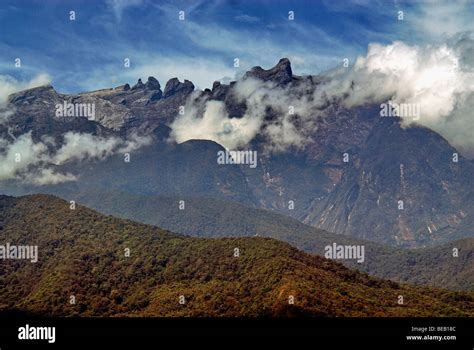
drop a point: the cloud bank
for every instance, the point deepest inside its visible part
(438, 79)
(214, 124)
(34, 163)
(283, 115)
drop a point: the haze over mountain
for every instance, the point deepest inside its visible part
(83, 257)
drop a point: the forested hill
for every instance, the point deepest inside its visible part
(83, 259)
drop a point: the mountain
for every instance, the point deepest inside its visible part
(35, 112)
(83, 254)
(115, 108)
(436, 266)
(399, 185)
(413, 165)
(208, 217)
(158, 169)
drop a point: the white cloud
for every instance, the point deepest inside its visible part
(437, 78)
(78, 146)
(249, 47)
(292, 115)
(19, 155)
(443, 19)
(10, 85)
(48, 176)
(31, 162)
(208, 119)
(214, 124)
(118, 6)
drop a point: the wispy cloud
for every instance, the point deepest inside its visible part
(438, 20)
(33, 162)
(202, 71)
(119, 6)
(202, 47)
(247, 18)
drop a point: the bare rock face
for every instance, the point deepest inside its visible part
(138, 85)
(152, 84)
(35, 111)
(174, 86)
(281, 73)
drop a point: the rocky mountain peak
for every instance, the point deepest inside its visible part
(216, 85)
(281, 73)
(39, 92)
(152, 84)
(138, 85)
(174, 86)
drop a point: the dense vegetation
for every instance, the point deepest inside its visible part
(207, 217)
(81, 253)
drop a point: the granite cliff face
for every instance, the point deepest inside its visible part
(360, 174)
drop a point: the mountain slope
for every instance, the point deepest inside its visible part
(412, 165)
(82, 254)
(386, 163)
(158, 169)
(208, 217)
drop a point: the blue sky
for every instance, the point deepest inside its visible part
(88, 53)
